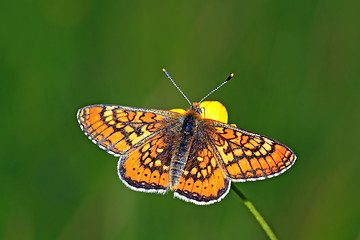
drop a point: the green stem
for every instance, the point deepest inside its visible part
(256, 214)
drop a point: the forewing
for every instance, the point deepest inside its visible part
(118, 129)
(248, 156)
(203, 181)
(147, 168)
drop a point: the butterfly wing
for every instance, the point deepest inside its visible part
(141, 137)
(203, 181)
(119, 129)
(146, 169)
(246, 156)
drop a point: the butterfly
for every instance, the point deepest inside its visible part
(194, 153)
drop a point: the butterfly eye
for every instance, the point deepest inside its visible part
(201, 110)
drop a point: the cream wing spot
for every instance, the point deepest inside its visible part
(146, 147)
(128, 129)
(193, 171)
(267, 146)
(108, 113)
(108, 119)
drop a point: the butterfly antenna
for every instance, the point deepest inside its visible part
(167, 74)
(228, 79)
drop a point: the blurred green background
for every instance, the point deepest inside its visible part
(297, 69)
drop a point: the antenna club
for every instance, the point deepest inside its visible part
(230, 77)
(164, 70)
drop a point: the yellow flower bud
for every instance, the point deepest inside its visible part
(214, 110)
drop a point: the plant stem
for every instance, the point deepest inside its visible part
(256, 214)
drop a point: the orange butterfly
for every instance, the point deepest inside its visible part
(193, 153)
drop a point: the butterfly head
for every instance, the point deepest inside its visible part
(195, 107)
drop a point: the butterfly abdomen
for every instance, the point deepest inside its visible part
(187, 126)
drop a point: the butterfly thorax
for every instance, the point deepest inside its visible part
(188, 126)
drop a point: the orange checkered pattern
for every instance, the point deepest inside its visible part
(193, 156)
